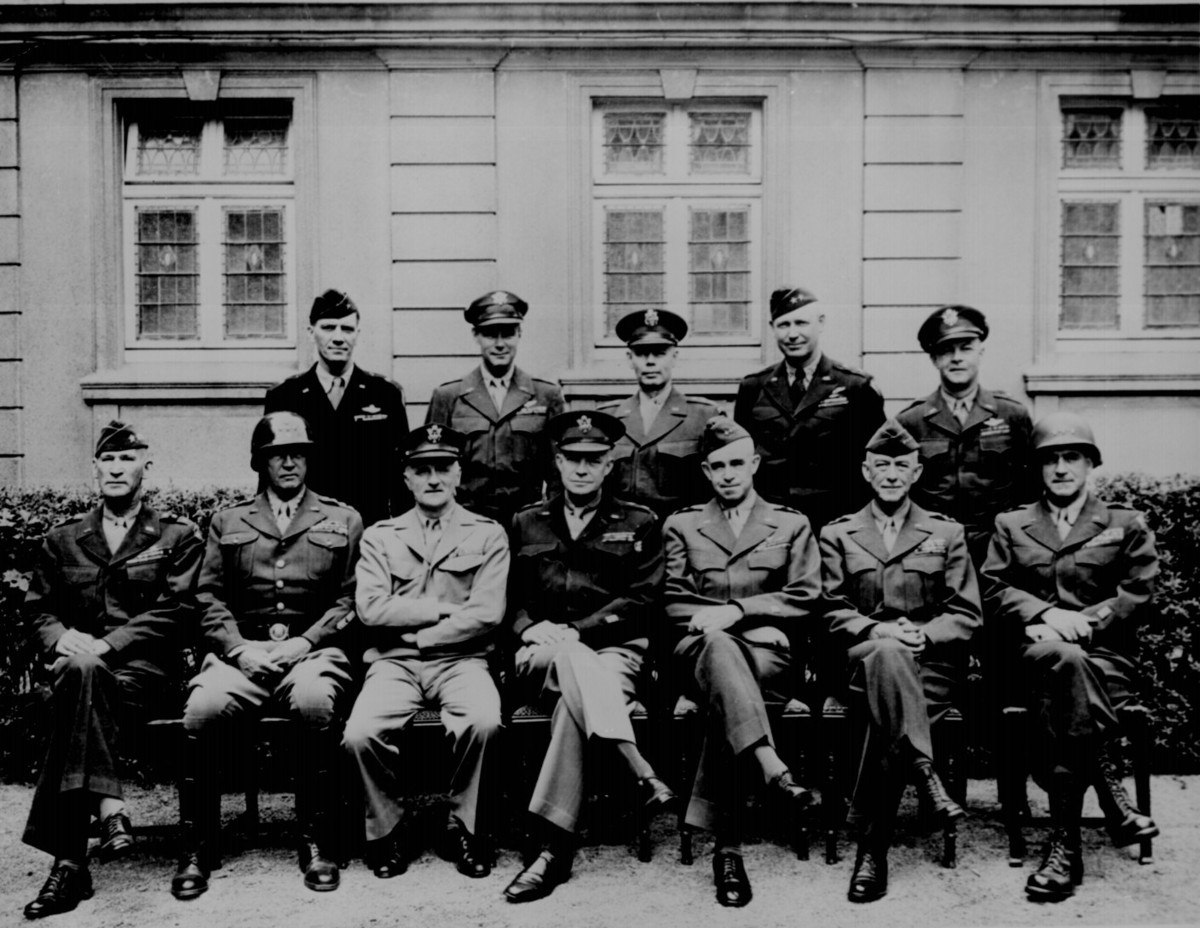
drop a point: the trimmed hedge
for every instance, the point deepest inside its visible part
(1169, 645)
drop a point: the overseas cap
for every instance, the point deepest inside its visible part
(332, 304)
(118, 436)
(500, 307)
(785, 299)
(892, 439)
(586, 430)
(651, 327)
(719, 432)
(1066, 430)
(434, 441)
(952, 323)
(278, 430)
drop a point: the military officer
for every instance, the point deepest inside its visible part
(1074, 575)
(656, 463)
(975, 454)
(277, 594)
(587, 572)
(502, 411)
(809, 415)
(110, 604)
(357, 419)
(903, 603)
(431, 594)
(741, 574)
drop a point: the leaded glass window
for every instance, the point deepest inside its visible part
(633, 142)
(1172, 265)
(1090, 265)
(1092, 138)
(167, 274)
(1173, 136)
(255, 285)
(720, 142)
(169, 149)
(255, 146)
(719, 270)
(634, 268)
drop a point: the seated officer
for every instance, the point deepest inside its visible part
(109, 602)
(587, 568)
(277, 591)
(903, 603)
(741, 573)
(1074, 576)
(431, 597)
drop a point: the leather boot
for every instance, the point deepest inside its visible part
(934, 792)
(1061, 869)
(69, 883)
(316, 797)
(199, 817)
(1126, 824)
(869, 881)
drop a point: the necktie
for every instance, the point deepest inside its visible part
(890, 531)
(649, 414)
(283, 516)
(336, 389)
(1064, 524)
(737, 520)
(796, 390)
(961, 411)
(497, 391)
(433, 532)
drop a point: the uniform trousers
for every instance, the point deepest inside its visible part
(1074, 693)
(394, 691)
(91, 703)
(592, 693)
(900, 695)
(728, 674)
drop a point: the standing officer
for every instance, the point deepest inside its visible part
(1075, 576)
(904, 602)
(587, 568)
(974, 442)
(657, 463)
(110, 603)
(502, 411)
(357, 419)
(277, 590)
(431, 595)
(741, 574)
(809, 415)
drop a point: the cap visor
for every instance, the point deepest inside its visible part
(585, 446)
(432, 454)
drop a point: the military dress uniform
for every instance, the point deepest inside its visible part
(811, 451)
(403, 575)
(771, 570)
(138, 599)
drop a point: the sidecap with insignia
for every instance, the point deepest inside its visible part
(497, 307)
(332, 304)
(651, 327)
(786, 299)
(1066, 430)
(586, 430)
(949, 324)
(892, 440)
(434, 442)
(118, 436)
(719, 432)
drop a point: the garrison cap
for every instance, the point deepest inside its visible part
(952, 323)
(1065, 430)
(118, 436)
(785, 299)
(892, 439)
(586, 430)
(651, 327)
(278, 430)
(434, 442)
(718, 432)
(332, 304)
(499, 307)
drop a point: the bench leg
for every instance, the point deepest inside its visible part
(1140, 740)
(1010, 784)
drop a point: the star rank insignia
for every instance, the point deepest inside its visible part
(585, 423)
(435, 434)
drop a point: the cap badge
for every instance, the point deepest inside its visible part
(950, 317)
(501, 298)
(652, 317)
(585, 423)
(435, 434)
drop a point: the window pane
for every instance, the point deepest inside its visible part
(1172, 264)
(1090, 273)
(166, 273)
(720, 143)
(255, 291)
(1092, 138)
(719, 270)
(255, 145)
(169, 149)
(634, 247)
(1173, 136)
(633, 143)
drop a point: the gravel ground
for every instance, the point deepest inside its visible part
(261, 885)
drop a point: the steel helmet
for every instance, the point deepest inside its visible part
(1065, 429)
(278, 430)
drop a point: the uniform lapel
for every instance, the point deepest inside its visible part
(453, 532)
(820, 387)
(352, 398)
(669, 418)
(309, 512)
(776, 389)
(715, 527)
(1093, 519)
(141, 535)
(912, 532)
(1039, 526)
(939, 415)
(261, 518)
(630, 413)
(409, 531)
(89, 536)
(520, 391)
(867, 535)
(475, 395)
(759, 526)
(984, 409)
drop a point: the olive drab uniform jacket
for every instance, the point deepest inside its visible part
(811, 454)
(258, 584)
(138, 599)
(661, 468)
(507, 459)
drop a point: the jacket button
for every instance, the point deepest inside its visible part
(279, 606)
(279, 584)
(280, 562)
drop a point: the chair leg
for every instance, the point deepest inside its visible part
(956, 785)
(645, 848)
(253, 761)
(831, 800)
(1140, 743)
(1010, 783)
(685, 844)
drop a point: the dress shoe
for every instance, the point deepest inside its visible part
(868, 882)
(729, 876)
(468, 852)
(388, 858)
(783, 786)
(538, 880)
(68, 884)
(320, 873)
(191, 877)
(655, 794)
(944, 808)
(116, 836)
(1060, 872)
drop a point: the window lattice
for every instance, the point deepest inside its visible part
(255, 146)
(169, 150)
(1090, 265)
(166, 274)
(255, 291)
(1173, 265)
(1173, 137)
(719, 270)
(720, 142)
(634, 269)
(633, 142)
(1092, 138)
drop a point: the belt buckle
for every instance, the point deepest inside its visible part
(278, 632)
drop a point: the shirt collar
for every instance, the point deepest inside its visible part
(742, 508)
(881, 518)
(278, 505)
(125, 521)
(1072, 511)
(809, 368)
(577, 512)
(969, 399)
(326, 378)
(489, 378)
(443, 520)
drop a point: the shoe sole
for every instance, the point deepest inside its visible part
(184, 895)
(866, 897)
(534, 897)
(1042, 895)
(107, 853)
(71, 908)
(322, 887)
